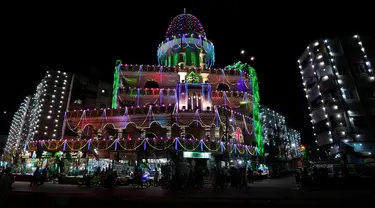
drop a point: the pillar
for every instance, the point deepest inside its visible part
(79, 133)
(168, 131)
(143, 133)
(207, 131)
(183, 132)
(100, 133)
(119, 134)
(217, 133)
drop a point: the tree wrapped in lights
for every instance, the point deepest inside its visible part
(16, 134)
(192, 78)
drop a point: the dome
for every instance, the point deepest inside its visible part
(185, 23)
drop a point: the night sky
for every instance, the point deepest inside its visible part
(89, 40)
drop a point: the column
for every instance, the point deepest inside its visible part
(143, 133)
(79, 133)
(168, 131)
(207, 131)
(183, 132)
(100, 133)
(217, 133)
(119, 134)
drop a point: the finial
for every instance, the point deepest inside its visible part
(184, 10)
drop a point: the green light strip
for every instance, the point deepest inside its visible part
(116, 83)
(257, 124)
(256, 110)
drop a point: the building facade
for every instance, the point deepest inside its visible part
(42, 115)
(280, 141)
(339, 82)
(183, 97)
(18, 133)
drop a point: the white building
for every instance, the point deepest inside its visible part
(276, 133)
(338, 79)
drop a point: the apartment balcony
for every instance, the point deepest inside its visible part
(324, 138)
(318, 115)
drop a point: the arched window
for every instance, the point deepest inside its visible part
(151, 84)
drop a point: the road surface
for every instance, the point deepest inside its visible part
(279, 191)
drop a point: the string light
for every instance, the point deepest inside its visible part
(274, 126)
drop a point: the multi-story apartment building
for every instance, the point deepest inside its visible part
(17, 129)
(41, 116)
(338, 79)
(277, 134)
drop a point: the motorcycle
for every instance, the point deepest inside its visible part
(164, 183)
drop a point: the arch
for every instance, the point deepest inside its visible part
(88, 130)
(128, 123)
(109, 130)
(223, 87)
(87, 125)
(151, 84)
(155, 122)
(156, 129)
(105, 125)
(190, 123)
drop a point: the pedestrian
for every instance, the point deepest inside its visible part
(35, 178)
(6, 182)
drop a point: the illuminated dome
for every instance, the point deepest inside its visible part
(185, 23)
(186, 44)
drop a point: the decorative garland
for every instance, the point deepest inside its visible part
(158, 144)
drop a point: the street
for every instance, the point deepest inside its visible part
(267, 191)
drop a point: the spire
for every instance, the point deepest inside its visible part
(184, 10)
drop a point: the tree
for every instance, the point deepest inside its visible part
(275, 143)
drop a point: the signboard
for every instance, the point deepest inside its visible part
(198, 155)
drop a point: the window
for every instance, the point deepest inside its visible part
(305, 63)
(359, 68)
(316, 103)
(359, 121)
(341, 69)
(321, 126)
(78, 101)
(348, 94)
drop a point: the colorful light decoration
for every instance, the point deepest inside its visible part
(116, 83)
(274, 125)
(185, 34)
(16, 133)
(324, 66)
(131, 144)
(192, 78)
(257, 125)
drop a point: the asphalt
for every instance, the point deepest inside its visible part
(276, 191)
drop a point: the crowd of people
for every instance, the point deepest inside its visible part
(6, 181)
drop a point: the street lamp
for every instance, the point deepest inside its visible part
(252, 58)
(242, 51)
